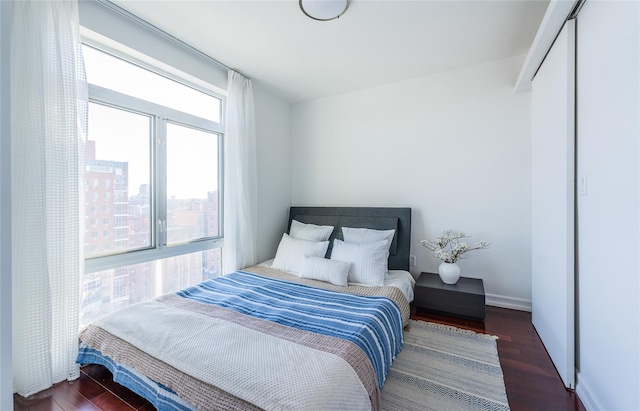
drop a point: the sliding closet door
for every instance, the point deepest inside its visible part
(553, 160)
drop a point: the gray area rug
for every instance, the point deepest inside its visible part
(445, 369)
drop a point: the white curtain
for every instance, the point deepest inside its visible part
(49, 117)
(240, 176)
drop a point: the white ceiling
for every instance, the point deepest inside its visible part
(374, 43)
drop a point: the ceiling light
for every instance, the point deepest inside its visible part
(324, 10)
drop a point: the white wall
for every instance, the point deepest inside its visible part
(273, 120)
(455, 146)
(6, 376)
(608, 129)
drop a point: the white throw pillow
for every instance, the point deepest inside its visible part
(323, 269)
(368, 260)
(310, 232)
(291, 252)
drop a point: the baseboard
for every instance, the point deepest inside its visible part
(508, 302)
(584, 392)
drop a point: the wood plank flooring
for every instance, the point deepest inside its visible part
(531, 381)
(95, 390)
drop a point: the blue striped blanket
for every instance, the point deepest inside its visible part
(372, 323)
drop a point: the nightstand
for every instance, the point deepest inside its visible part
(463, 299)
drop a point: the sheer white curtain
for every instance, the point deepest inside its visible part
(240, 176)
(49, 117)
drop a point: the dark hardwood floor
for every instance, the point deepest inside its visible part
(93, 391)
(531, 381)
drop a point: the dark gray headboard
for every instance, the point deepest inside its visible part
(378, 218)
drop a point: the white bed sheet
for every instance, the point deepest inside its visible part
(402, 280)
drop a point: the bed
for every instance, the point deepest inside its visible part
(316, 328)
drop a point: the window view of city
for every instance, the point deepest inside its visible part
(151, 183)
(117, 222)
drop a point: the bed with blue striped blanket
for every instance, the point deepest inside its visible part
(254, 340)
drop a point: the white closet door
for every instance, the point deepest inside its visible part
(553, 162)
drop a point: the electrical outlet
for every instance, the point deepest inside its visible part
(412, 260)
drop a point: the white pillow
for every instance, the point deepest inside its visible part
(291, 252)
(368, 260)
(367, 235)
(310, 232)
(323, 269)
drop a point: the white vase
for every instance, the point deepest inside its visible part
(449, 273)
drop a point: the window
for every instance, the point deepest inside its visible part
(142, 84)
(144, 281)
(190, 208)
(153, 160)
(120, 288)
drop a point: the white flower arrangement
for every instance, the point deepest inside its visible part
(449, 248)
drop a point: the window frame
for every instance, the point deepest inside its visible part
(160, 116)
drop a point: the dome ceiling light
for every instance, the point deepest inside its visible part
(324, 10)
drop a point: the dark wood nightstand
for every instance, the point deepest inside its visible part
(463, 299)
